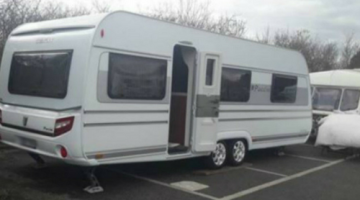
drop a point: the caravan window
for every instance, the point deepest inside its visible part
(326, 99)
(235, 85)
(43, 74)
(134, 77)
(350, 100)
(283, 89)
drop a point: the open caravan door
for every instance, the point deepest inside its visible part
(207, 101)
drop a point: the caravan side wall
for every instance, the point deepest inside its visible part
(117, 130)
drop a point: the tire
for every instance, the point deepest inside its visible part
(237, 151)
(217, 158)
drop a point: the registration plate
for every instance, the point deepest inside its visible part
(28, 143)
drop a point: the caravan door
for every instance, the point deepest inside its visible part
(206, 102)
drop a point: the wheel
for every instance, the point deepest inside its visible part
(236, 152)
(217, 158)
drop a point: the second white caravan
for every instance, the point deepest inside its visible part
(334, 91)
(122, 88)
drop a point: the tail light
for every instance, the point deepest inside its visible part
(63, 125)
(63, 152)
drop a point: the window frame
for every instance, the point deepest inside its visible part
(110, 96)
(70, 51)
(274, 76)
(244, 70)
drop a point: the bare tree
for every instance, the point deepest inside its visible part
(318, 55)
(349, 50)
(265, 37)
(101, 6)
(16, 12)
(355, 61)
(55, 10)
(197, 14)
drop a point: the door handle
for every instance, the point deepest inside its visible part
(216, 101)
(194, 109)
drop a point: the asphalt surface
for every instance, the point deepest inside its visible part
(303, 173)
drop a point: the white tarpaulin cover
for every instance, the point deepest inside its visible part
(340, 130)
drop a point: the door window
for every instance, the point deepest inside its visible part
(210, 66)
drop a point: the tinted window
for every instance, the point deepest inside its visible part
(43, 74)
(350, 100)
(133, 77)
(326, 99)
(283, 89)
(235, 85)
(209, 71)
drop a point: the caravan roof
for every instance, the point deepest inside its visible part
(344, 77)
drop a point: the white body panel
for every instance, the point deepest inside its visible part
(108, 131)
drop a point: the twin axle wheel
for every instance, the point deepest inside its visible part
(233, 152)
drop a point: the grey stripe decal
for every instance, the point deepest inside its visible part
(231, 111)
(124, 111)
(124, 123)
(278, 137)
(267, 118)
(122, 153)
(207, 106)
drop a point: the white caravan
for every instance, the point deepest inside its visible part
(121, 88)
(336, 90)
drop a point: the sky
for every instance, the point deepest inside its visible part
(329, 20)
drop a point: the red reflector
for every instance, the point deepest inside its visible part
(63, 125)
(63, 152)
(102, 33)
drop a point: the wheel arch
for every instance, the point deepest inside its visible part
(230, 135)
